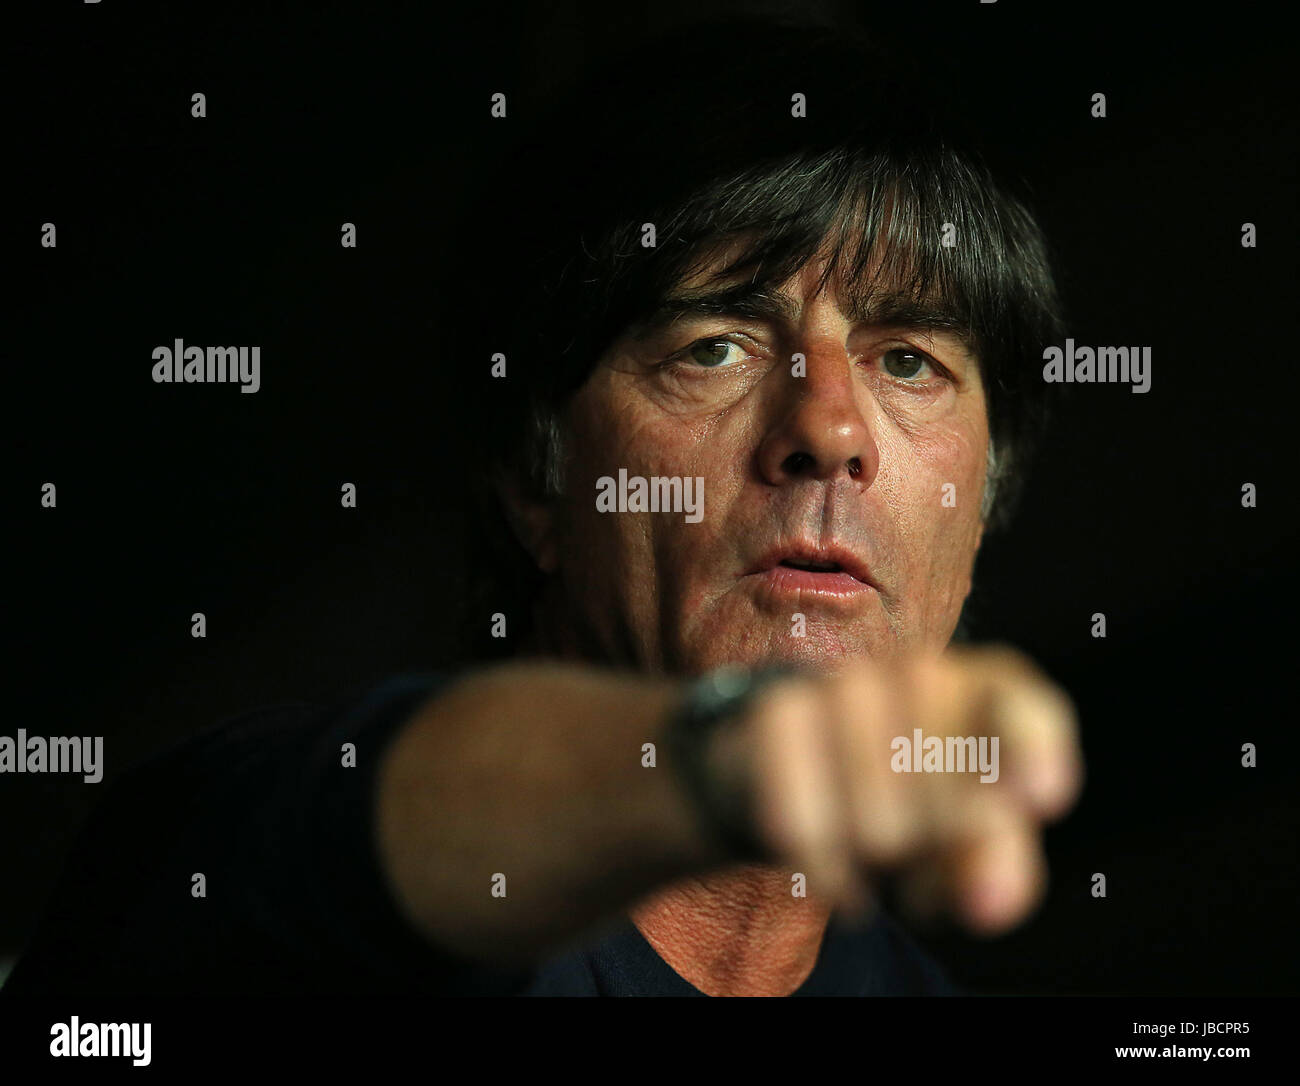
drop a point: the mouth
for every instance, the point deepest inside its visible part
(811, 565)
(832, 573)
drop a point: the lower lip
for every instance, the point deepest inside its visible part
(786, 580)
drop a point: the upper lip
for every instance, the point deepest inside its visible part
(824, 554)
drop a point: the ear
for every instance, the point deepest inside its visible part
(970, 570)
(532, 518)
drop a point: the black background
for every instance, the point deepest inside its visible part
(174, 499)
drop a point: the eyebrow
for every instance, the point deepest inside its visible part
(888, 309)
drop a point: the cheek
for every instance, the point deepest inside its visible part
(616, 429)
(952, 463)
(939, 480)
(619, 554)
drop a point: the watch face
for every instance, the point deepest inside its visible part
(723, 686)
(720, 690)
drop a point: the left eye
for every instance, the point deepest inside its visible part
(710, 353)
(905, 362)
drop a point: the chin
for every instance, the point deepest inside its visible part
(821, 650)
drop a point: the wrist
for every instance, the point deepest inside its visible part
(708, 749)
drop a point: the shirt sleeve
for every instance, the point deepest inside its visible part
(242, 861)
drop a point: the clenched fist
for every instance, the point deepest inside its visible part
(938, 770)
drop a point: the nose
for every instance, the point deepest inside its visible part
(820, 430)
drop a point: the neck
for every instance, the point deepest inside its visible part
(738, 932)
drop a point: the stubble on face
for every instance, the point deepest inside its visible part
(777, 454)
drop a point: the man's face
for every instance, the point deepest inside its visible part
(841, 508)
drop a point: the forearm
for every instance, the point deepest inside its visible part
(533, 772)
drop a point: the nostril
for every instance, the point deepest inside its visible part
(855, 467)
(796, 462)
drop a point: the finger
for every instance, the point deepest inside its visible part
(948, 804)
(798, 804)
(928, 883)
(871, 713)
(1035, 725)
(997, 880)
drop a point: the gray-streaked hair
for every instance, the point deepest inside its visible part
(871, 178)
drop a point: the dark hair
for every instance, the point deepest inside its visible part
(694, 132)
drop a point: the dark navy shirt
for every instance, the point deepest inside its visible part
(264, 809)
